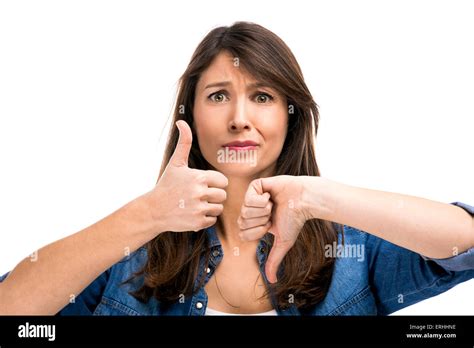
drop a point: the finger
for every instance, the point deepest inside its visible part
(254, 190)
(183, 147)
(251, 212)
(256, 200)
(215, 195)
(277, 253)
(208, 221)
(214, 209)
(245, 224)
(216, 179)
(255, 233)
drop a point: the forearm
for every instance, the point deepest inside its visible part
(61, 270)
(430, 228)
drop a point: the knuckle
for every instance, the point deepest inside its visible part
(198, 211)
(219, 175)
(204, 223)
(212, 221)
(255, 182)
(224, 179)
(201, 178)
(224, 195)
(198, 193)
(196, 214)
(199, 225)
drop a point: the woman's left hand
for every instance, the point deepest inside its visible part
(289, 213)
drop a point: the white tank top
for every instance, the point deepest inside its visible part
(210, 311)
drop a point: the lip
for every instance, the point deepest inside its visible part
(241, 144)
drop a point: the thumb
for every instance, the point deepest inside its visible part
(255, 187)
(255, 196)
(183, 147)
(268, 184)
(277, 253)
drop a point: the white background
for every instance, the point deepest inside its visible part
(87, 88)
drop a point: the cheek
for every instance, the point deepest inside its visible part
(273, 130)
(274, 127)
(202, 116)
(206, 132)
(274, 144)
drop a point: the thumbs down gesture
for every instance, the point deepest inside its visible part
(275, 205)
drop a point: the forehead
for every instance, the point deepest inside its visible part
(225, 67)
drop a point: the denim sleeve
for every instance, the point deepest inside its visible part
(3, 277)
(463, 261)
(86, 302)
(399, 277)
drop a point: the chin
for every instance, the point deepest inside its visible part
(243, 170)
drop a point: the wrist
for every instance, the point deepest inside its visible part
(144, 213)
(318, 197)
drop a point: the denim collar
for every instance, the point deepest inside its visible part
(263, 249)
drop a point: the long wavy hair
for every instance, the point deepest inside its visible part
(174, 258)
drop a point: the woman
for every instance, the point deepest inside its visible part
(240, 221)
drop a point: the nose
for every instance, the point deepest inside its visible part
(240, 120)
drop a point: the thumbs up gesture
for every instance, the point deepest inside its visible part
(186, 199)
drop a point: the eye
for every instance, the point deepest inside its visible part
(217, 97)
(262, 98)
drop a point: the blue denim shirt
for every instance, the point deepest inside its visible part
(382, 279)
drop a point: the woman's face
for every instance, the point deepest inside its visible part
(240, 124)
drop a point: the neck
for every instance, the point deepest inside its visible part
(232, 206)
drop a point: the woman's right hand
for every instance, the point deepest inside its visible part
(186, 199)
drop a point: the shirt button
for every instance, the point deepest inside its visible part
(199, 305)
(215, 253)
(208, 270)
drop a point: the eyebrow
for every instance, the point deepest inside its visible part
(227, 83)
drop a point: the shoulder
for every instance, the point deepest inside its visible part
(128, 266)
(349, 291)
(123, 280)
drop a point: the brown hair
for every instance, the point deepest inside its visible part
(173, 258)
